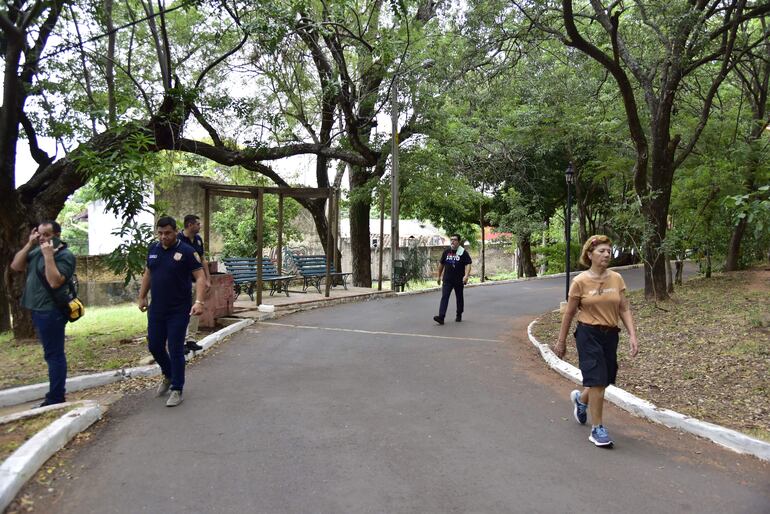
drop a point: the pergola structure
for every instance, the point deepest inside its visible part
(258, 193)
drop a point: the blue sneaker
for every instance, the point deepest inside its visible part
(600, 437)
(580, 410)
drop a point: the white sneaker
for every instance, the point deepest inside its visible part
(163, 387)
(174, 399)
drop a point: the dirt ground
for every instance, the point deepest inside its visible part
(705, 353)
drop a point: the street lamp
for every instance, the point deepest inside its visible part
(394, 206)
(569, 175)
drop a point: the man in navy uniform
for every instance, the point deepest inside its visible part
(191, 236)
(455, 267)
(170, 263)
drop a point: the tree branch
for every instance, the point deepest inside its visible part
(41, 157)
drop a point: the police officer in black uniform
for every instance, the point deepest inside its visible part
(191, 236)
(455, 267)
(170, 263)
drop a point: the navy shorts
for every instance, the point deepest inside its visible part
(598, 354)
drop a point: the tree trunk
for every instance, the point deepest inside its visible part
(360, 207)
(655, 210)
(525, 256)
(14, 228)
(708, 262)
(734, 250)
(5, 303)
(580, 202)
(679, 269)
(669, 276)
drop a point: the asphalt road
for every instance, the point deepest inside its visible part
(371, 407)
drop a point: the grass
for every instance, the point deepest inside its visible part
(16, 433)
(105, 338)
(706, 353)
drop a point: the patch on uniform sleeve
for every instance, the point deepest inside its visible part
(197, 256)
(177, 256)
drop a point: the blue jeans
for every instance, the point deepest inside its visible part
(446, 290)
(165, 340)
(50, 329)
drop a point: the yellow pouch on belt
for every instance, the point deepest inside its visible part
(76, 310)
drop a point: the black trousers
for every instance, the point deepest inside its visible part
(446, 290)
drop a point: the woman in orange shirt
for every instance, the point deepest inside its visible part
(598, 297)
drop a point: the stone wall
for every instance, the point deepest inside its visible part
(498, 259)
(98, 285)
(182, 195)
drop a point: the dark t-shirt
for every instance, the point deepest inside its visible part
(454, 265)
(170, 271)
(36, 297)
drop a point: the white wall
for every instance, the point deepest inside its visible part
(101, 225)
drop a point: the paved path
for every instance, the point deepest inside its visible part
(371, 407)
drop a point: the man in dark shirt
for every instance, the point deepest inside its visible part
(170, 263)
(191, 236)
(46, 257)
(455, 268)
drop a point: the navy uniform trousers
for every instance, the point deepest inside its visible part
(165, 340)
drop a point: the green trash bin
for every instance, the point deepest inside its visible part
(399, 275)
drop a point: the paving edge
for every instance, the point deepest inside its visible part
(726, 437)
(513, 280)
(23, 394)
(318, 304)
(22, 464)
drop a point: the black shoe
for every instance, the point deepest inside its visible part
(48, 402)
(192, 345)
(459, 317)
(438, 319)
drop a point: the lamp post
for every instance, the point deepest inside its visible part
(394, 200)
(569, 175)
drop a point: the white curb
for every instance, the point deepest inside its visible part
(726, 437)
(17, 395)
(27, 459)
(36, 411)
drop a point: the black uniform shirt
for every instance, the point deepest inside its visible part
(170, 271)
(196, 242)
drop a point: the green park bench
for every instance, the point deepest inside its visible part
(312, 268)
(244, 272)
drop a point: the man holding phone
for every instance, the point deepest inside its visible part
(49, 264)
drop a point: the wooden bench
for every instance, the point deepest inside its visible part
(244, 272)
(312, 268)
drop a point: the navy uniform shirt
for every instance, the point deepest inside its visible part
(454, 265)
(196, 242)
(170, 271)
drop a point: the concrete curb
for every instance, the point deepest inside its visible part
(726, 437)
(27, 459)
(36, 411)
(514, 280)
(17, 395)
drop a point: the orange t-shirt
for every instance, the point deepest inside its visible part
(599, 298)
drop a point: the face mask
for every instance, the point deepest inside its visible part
(56, 241)
(460, 250)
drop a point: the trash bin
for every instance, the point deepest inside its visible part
(219, 301)
(399, 274)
